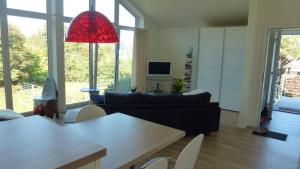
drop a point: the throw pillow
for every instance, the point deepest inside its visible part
(194, 92)
(197, 98)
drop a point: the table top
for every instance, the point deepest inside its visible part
(35, 142)
(127, 139)
(89, 90)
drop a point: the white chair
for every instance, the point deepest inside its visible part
(188, 157)
(85, 113)
(158, 163)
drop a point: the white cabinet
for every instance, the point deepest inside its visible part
(220, 64)
(210, 60)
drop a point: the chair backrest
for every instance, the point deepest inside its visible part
(49, 88)
(188, 157)
(159, 163)
(89, 112)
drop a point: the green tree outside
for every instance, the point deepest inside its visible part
(29, 64)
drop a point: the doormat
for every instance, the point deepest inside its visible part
(272, 134)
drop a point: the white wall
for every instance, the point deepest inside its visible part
(152, 31)
(173, 44)
(263, 14)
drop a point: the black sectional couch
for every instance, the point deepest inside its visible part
(194, 114)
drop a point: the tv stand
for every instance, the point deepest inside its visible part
(159, 84)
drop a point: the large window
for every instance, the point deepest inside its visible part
(106, 68)
(2, 92)
(106, 7)
(76, 58)
(28, 59)
(29, 43)
(28, 5)
(76, 71)
(125, 17)
(73, 8)
(125, 60)
(127, 22)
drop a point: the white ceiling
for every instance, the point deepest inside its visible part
(185, 13)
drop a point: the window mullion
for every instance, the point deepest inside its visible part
(117, 47)
(28, 14)
(50, 22)
(6, 60)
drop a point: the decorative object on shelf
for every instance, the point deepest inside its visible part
(92, 27)
(188, 71)
(177, 86)
(133, 89)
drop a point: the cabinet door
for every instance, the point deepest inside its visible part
(232, 68)
(210, 61)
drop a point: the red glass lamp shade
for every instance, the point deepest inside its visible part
(91, 27)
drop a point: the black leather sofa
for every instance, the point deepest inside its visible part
(194, 114)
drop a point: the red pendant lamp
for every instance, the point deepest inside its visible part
(91, 27)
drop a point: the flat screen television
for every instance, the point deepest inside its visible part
(159, 68)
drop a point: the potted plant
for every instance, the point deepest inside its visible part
(177, 86)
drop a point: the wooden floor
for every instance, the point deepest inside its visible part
(233, 148)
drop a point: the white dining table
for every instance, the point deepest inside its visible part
(127, 139)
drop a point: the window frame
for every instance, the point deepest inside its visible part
(4, 13)
(54, 19)
(138, 23)
(119, 28)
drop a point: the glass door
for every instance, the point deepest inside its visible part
(271, 73)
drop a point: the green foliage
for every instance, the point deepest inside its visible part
(106, 67)
(289, 46)
(29, 61)
(124, 85)
(76, 62)
(177, 86)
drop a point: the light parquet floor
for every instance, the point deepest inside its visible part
(234, 148)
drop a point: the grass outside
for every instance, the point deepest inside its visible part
(2, 98)
(23, 99)
(73, 93)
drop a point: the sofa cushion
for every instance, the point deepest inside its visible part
(114, 98)
(160, 99)
(194, 99)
